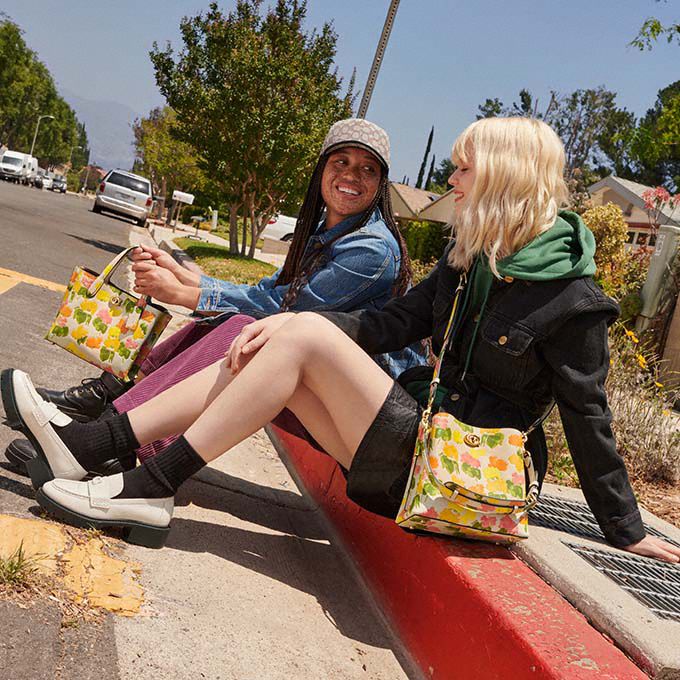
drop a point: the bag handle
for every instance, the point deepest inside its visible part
(105, 278)
(426, 420)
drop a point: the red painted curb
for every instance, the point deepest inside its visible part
(462, 609)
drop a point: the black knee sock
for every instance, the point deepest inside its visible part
(162, 475)
(99, 441)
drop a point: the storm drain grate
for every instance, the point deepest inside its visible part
(653, 583)
(574, 517)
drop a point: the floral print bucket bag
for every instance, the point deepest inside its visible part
(468, 481)
(105, 325)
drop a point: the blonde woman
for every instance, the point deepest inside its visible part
(534, 331)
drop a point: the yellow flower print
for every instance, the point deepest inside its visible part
(103, 295)
(116, 311)
(89, 306)
(114, 332)
(75, 349)
(80, 332)
(112, 343)
(138, 334)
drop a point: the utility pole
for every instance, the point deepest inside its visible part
(377, 59)
(35, 136)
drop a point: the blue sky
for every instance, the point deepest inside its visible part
(445, 57)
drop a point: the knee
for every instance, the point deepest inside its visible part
(309, 332)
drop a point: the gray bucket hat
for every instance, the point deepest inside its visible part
(360, 133)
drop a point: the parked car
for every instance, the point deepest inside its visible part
(13, 166)
(124, 193)
(280, 228)
(59, 184)
(46, 181)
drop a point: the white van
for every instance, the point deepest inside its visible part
(31, 170)
(13, 166)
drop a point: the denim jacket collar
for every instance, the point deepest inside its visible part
(323, 235)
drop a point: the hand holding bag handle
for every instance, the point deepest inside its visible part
(105, 278)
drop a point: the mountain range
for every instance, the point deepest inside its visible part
(109, 130)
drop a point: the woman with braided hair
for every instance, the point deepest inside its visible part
(346, 254)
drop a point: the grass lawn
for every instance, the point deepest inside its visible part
(224, 233)
(217, 261)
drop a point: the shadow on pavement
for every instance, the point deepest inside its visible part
(102, 245)
(320, 571)
(274, 509)
(14, 486)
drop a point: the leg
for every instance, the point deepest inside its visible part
(184, 361)
(216, 412)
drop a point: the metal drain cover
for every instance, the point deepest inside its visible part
(655, 584)
(575, 518)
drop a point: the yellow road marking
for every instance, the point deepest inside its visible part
(18, 277)
(81, 561)
(6, 284)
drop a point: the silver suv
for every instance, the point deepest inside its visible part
(125, 194)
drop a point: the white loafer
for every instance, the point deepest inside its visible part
(36, 417)
(146, 521)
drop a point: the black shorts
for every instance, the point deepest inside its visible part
(377, 477)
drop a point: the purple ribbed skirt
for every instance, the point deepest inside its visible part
(189, 350)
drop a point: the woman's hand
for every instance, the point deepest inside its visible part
(252, 338)
(651, 546)
(163, 285)
(165, 261)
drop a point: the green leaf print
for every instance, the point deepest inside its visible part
(492, 440)
(83, 292)
(144, 327)
(441, 433)
(123, 351)
(129, 306)
(81, 317)
(430, 489)
(472, 471)
(514, 489)
(80, 341)
(414, 502)
(60, 331)
(449, 464)
(465, 427)
(105, 354)
(100, 325)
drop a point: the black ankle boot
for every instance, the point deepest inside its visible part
(88, 400)
(21, 451)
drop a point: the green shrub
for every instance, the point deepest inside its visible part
(425, 241)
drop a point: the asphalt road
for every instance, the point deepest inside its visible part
(44, 235)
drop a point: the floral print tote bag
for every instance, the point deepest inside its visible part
(105, 325)
(468, 481)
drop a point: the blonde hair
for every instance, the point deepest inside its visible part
(518, 189)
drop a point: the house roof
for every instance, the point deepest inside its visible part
(441, 209)
(407, 201)
(632, 192)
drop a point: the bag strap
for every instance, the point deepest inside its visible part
(105, 278)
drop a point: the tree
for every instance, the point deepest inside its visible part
(423, 165)
(652, 29)
(254, 95)
(440, 176)
(169, 163)
(28, 91)
(657, 141)
(430, 172)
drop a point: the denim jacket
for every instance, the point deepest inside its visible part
(358, 272)
(538, 342)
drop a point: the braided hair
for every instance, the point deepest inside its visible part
(299, 266)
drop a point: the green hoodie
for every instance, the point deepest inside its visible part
(565, 251)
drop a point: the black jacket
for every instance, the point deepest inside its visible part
(537, 342)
